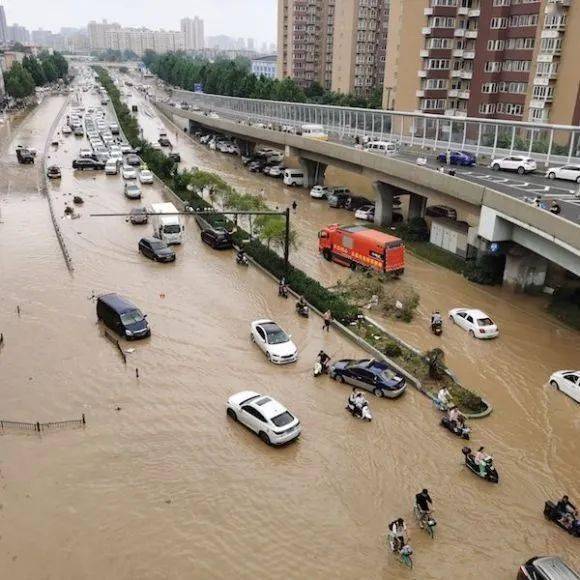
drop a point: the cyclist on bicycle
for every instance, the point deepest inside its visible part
(397, 533)
(423, 502)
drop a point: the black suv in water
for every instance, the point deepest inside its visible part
(217, 238)
(87, 164)
(157, 250)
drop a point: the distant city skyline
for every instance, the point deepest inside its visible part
(154, 14)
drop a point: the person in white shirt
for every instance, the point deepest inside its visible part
(444, 398)
(481, 458)
(398, 531)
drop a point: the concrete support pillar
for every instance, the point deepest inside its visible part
(246, 147)
(417, 206)
(525, 271)
(384, 203)
(313, 172)
(193, 127)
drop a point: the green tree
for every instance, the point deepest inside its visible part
(35, 69)
(18, 82)
(49, 70)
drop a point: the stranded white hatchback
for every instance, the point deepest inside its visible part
(265, 416)
(274, 342)
(476, 322)
(568, 382)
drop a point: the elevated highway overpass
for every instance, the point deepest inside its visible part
(504, 217)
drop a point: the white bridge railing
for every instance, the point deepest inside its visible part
(548, 143)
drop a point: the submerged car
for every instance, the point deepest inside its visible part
(477, 323)
(319, 192)
(138, 216)
(129, 172)
(156, 250)
(365, 212)
(132, 191)
(265, 416)
(463, 158)
(145, 176)
(369, 374)
(53, 172)
(275, 343)
(568, 382)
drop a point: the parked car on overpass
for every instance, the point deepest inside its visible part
(463, 158)
(568, 172)
(514, 163)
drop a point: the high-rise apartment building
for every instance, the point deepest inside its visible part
(340, 44)
(17, 33)
(504, 59)
(193, 33)
(305, 41)
(360, 38)
(138, 40)
(98, 31)
(3, 27)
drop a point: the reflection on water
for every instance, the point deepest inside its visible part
(167, 487)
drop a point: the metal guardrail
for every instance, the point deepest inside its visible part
(491, 137)
(44, 188)
(38, 427)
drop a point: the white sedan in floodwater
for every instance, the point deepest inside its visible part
(265, 416)
(477, 323)
(568, 382)
(275, 343)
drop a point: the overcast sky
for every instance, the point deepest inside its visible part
(238, 18)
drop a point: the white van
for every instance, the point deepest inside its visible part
(293, 177)
(382, 147)
(314, 132)
(166, 227)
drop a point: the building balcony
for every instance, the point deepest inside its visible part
(537, 104)
(545, 57)
(550, 33)
(460, 113)
(424, 53)
(463, 11)
(459, 32)
(419, 93)
(422, 73)
(453, 93)
(458, 52)
(426, 30)
(474, 13)
(428, 11)
(466, 74)
(450, 112)
(469, 54)
(541, 81)
(464, 94)
(456, 74)
(471, 34)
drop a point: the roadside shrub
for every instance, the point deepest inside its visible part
(415, 230)
(392, 350)
(487, 269)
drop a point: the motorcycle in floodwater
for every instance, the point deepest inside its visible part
(489, 471)
(437, 328)
(302, 310)
(242, 260)
(360, 412)
(455, 428)
(567, 522)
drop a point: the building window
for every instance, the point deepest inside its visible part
(495, 44)
(436, 84)
(440, 43)
(441, 22)
(438, 64)
(433, 104)
(489, 88)
(523, 20)
(492, 66)
(516, 65)
(510, 109)
(443, 2)
(487, 108)
(499, 23)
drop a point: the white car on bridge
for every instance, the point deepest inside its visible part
(514, 163)
(568, 382)
(265, 416)
(477, 323)
(568, 172)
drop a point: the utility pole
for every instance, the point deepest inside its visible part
(287, 242)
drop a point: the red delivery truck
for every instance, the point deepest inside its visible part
(354, 246)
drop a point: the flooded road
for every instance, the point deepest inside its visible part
(167, 487)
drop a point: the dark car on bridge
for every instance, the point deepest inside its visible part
(463, 158)
(87, 164)
(369, 374)
(164, 142)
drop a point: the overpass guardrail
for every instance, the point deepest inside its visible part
(550, 144)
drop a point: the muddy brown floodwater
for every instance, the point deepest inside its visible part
(167, 487)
